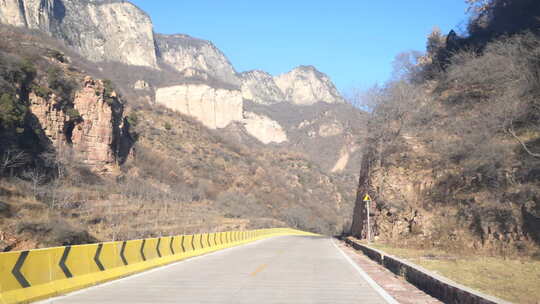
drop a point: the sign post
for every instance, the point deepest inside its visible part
(367, 199)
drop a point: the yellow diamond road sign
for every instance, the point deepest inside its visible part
(367, 198)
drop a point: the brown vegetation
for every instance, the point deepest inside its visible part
(181, 178)
(454, 155)
(489, 275)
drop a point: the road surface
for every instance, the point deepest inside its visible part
(287, 269)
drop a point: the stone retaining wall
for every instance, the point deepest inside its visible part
(431, 283)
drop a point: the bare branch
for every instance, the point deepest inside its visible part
(511, 131)
(12, 159)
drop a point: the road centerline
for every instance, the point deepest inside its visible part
(259, 269)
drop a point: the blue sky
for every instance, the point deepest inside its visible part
(353, 41)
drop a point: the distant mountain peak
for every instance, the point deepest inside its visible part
(305, 85)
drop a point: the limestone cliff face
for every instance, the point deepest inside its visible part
(98, 29)
(191, 55)
(259, 87)
(263, 128)
(215, 108)
(305, 85)
(98, 137)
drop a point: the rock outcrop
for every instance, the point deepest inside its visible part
(260, 87)
(344, 157)
(100, 30)
(408, 207)
(214, 107)
(141, 85)
(263, 128)
(193, 57)
(95, 131)
(305, 85)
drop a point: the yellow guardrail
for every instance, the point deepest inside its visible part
(27, 276)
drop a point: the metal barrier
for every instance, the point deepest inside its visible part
(32, 275)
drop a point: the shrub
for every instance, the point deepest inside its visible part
(29, 71)
(73, 114)
(132, 119)
(109, 91)
(42, 92)
(54, 77)
(59, 56)
(63, 87)
(12, 112)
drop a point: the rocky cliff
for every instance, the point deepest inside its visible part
(54, 113)
(305, 85)
(215, 108)
(415, 205)
(196, 78)
(263, 128)
(98, 30)
(260, 87)
(192, 56)
(96, 130)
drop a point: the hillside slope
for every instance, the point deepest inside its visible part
(454, 144)
(159, 172)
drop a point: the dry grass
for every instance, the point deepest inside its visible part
(515, 280)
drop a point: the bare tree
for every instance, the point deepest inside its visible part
(406, 66)
(36, 177)
(12, 159)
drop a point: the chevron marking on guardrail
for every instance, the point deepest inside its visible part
(171, 245)
(142, 250)
(63, 260)
(96, 257)
(182, 244)
(122, 252)
(16, 271)
(157, 247)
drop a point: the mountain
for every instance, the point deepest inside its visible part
(124, 34)
(305, 85)
(260, 87)
(98, 30)
(121, 132)
(80, 163)
(196, 58)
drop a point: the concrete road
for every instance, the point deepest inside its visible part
(288, 269)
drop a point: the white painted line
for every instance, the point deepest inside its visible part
(388, 298)
(145, 272)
